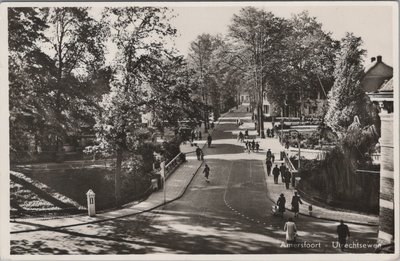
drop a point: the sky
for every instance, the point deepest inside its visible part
(372, 21)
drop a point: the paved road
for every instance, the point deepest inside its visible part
(229, 215)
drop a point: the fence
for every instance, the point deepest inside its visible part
(174, 164)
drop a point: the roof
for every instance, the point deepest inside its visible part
(387, 87)
(373, 64)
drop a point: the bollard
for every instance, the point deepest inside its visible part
(91, 203)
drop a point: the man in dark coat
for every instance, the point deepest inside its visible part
(198, 153)
(253, 145)
(269, 154)
(275, 172)
(268, 132)
(281, 204)
(295, 204)
(209, 140)
(212, 125)
(200, 135)
(343, 233)
(246, 133)
(288, 176)
(206, 172)
(268, 162)
(282, 169)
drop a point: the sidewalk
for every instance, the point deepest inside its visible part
(274, 190)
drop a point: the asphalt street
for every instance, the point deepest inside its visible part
(229, 215)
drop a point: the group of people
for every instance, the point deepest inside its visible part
(270, 133)
(242, 136)
(239, 122)
(196, 135)
(251, 146)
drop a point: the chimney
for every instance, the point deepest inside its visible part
(379, 58)
(373, 59)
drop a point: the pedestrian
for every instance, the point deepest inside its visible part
(246, 133)
(201, 155)
(288, 176)
(253, 145)
(269, 154)
(209, 140)
(255, 125)
(257, 146)
(268, 132)
(272, 132)
(291, 231)
(212, 125)
(343, 233)
(275, 172)
(282, 169)
(206, 172)
(272, 157)
(295, 204)
(198, 153)
(281, 204)
(200, 138)
(269, 166)
(193, 136)
(241, 138)
(247, 109)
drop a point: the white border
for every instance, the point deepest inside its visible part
(4, 160)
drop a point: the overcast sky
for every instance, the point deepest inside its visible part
(373, 22)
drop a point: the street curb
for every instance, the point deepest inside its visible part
(123, 216)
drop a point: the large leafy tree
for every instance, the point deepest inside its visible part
(258, 36)
(142, 62)
(75, 42)
(307, 65)
(29, 69)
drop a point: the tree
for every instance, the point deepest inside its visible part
(346, 98)
(259, 36)
(201, 55)
(28, 69)
(307, 63)
(140, 34)
(75, 41)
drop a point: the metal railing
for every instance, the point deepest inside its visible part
(173, 164)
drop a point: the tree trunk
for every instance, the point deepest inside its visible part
(117, 178)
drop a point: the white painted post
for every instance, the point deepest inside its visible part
(91, 203)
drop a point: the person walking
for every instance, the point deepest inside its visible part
(253, 145)
(257, 146)
(198, 153)
(288, 177)
(275, 172)
(269, 154)
(272, 132)
(295, 204)
(193, 136)
(206, 172)
(212, 125)
(282, 169)
(200, 138)
(291, 231)
(268, 162)
(241, 136)
(246, 133)
(209, 140)
(281, 204)
(268, 132)
(343, 233)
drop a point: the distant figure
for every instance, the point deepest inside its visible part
(201, 154)
(253, 145)
(241, 136)
(237, 121)
(343, 233)
(281, 203)
(247, 109)
(272, 157)
(291, 231)
(272, 132)
(257, 146)
(275, 172)
(268, 132)
(206, 172)
(209, 140)
(198, 153)
(288, 177)
(282, 169)
(193, 136)
(200, 135)
(255, 125)
(212, 125)
(199, 124)
(269, 154)
(268, 162)
(295, 204)
(246, 133)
